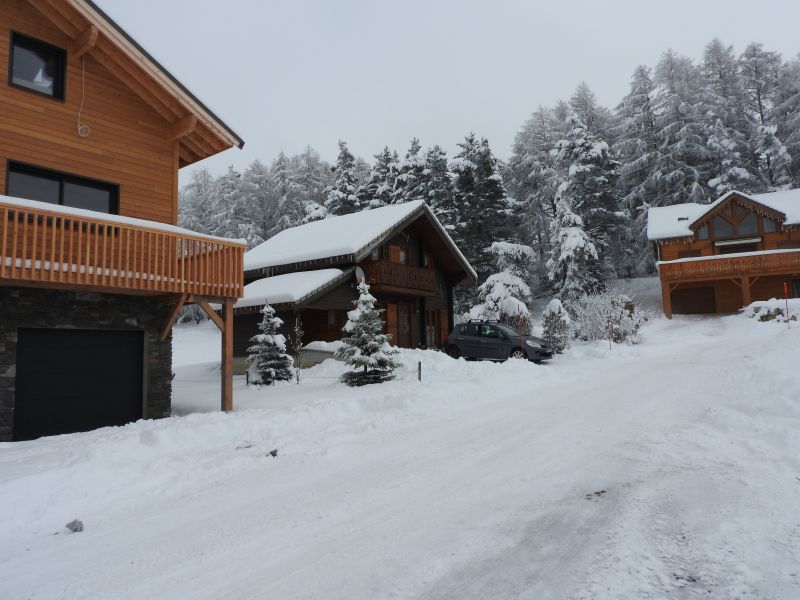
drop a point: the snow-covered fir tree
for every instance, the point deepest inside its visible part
(379, 189)
(505, 295)
(267, 356)
(574, 267)
(341, 195)
(556, 326)
(436, 187)
(409, 183)
(365, 347)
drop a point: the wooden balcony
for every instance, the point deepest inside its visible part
(64, 248)
(773, 262)
(389, 277)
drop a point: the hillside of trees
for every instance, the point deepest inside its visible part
(567, 211)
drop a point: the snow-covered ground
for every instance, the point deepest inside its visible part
(665, 470)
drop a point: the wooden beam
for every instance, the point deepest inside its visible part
(212, 314)
(666, 298)
(182, 127)
(226, 391)
(746, 297)
(84, 43)
(173, 314)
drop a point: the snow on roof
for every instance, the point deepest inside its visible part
(673, 221)
(108, 218)
(288, 288)
(341, 236)
(337, 236)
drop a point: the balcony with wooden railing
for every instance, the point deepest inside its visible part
(385, 276)
(725, 266)
(52, 246)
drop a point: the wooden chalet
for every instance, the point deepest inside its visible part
(719, 257)
(311, 272)
(93, 270)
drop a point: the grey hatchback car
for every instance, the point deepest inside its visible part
(486, 340)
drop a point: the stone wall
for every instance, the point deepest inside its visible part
(53, 309)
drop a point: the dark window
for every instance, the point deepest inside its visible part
(702, 233)
(795, 288)
(722, 228)
(33, 183)
(470, 329)
(375, 253)
(688, 253)
(37, 66)
(748, 225)
(769, 225)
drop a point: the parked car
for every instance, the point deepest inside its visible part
(487, 340)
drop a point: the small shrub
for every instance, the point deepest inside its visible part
(556, 326)
(593, 313)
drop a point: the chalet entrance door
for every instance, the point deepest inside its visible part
(432, 329)
(404, 325)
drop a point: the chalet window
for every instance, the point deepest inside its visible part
(702, 233)
(748, 225)
(722, 228)
(33, 183)
(769, 225)
(37, 66)
(375, 253)
(398, 254)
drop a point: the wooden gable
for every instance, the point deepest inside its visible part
(737, 200)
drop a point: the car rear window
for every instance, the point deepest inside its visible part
(470, 329)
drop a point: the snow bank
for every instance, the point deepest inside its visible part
(773, 310)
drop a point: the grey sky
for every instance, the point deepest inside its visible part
(288, 73)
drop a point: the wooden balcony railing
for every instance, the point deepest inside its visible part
(43, 246)
(389, 276)
(722, 266)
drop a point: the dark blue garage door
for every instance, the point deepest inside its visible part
(70, 380)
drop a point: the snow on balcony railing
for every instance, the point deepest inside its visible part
(761, 262)
(68, 247)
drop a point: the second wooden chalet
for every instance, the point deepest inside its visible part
(310, 273)
(719, 257)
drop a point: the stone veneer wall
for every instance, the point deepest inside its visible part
(54, 309)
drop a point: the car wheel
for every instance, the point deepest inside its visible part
(518, 353)
(453, 352)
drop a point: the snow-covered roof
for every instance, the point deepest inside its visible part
(673, 221)
(108, 218)
(289, 288)
(348, 235)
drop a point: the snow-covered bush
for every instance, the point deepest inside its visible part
(366, 348)
(592, 314)
(267, 356)
(556, 326)
(772, 310)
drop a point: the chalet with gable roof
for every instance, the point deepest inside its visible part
(93, 269)
(719, 257)
(310, 273)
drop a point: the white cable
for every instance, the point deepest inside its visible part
(83, 129)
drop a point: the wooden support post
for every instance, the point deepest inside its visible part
(227, 356)
(746, 296)
(666, 298)
(173, 314)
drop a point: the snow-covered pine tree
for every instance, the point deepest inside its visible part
(267, 356)
(436, 187)
(365, 347)
(312, 177)
(574, 267)
(482, 208)
(787, 113)
(196, 208)
(410, 178)
(556, 326)
(379, 189)
(505, 295)
(341, 195)
(589, 185)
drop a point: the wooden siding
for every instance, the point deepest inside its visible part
(52, 249)
(735, 266)
(128, 143)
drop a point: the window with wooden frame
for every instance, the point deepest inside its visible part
(36, 66)
(735, 221)
(398, 254)
(35, 183)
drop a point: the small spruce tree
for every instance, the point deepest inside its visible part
(366, 348)
(556, 326)
(267, 356)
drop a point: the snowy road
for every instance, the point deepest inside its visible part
(667, 470)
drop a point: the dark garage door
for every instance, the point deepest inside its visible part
(694, 301)
(72, 380)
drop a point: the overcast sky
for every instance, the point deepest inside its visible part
(288, 73)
